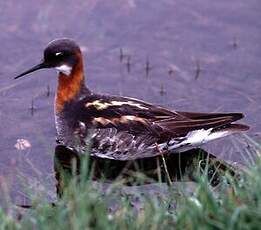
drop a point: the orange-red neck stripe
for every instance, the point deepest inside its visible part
(69, 86)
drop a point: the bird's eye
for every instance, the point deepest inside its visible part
(58, 54)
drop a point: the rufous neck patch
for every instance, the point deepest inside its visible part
(69, 86)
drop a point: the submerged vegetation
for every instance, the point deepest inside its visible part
(235, 203)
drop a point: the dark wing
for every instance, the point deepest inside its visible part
(125, 114)
(125, 128)
(137, 117)
(113, 106)
(196, 121)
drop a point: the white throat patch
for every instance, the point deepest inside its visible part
(65, 69)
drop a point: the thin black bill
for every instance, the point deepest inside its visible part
(35, 68)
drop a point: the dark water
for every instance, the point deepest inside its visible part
(200, 55)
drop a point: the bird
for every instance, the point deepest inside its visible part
(121, 128)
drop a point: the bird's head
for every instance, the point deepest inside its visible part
(60, 54)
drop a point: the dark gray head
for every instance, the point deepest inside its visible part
(61, 54)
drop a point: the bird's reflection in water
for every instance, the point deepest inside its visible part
(170, 168)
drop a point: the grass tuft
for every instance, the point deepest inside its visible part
(235, 203)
